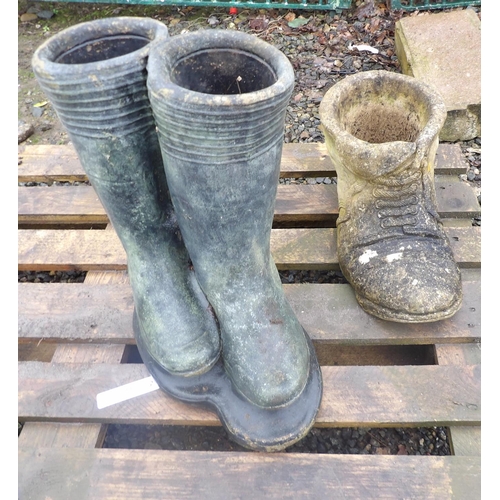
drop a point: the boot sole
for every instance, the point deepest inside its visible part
(250, 426)
(399, 317)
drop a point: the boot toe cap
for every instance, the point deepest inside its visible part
(271, 388)
(272, 377)
(183, 354)
(416, 287)
(194, 358)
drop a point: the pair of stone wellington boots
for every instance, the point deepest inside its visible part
(181, 138)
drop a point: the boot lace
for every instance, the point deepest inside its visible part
(397, 201)
(398, 205)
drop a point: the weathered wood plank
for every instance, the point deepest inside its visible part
(153, 474)
(471, 274)
(295, 203)
(60, 204)
(36, 351)
(50, 434)
(80, 205)
(62, 312)
(455, 198)
(390, 396)
(79, 435)
(49, 163)
(331, 313)
(88, 353)
(464, 440)
(465, 354)
(450, 160)
(70, 249)
(46, 249)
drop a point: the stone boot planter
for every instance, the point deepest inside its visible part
(381, 132)
(94, 74)
(219, 100)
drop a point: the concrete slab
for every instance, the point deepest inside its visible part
(444, 50)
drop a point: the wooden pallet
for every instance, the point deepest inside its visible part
(73, 340)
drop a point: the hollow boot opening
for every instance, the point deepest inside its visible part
(106, 47)
(374, 113)
(223, 71)
(377, 123)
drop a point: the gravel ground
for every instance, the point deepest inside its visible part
(378, 441)
(322, 49)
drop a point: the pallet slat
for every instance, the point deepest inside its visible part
(76, 434)
(49, 163)
(153, 474)
(46, 249)
(353, 396)
(329, 313)
(464, 440)
(297, 203)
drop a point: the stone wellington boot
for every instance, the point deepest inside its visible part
(219, 100)
(381, 132)
(94, 74)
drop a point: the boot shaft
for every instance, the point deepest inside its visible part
(94, 74)
(219, 96)
(128, 177)
(219, 100)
